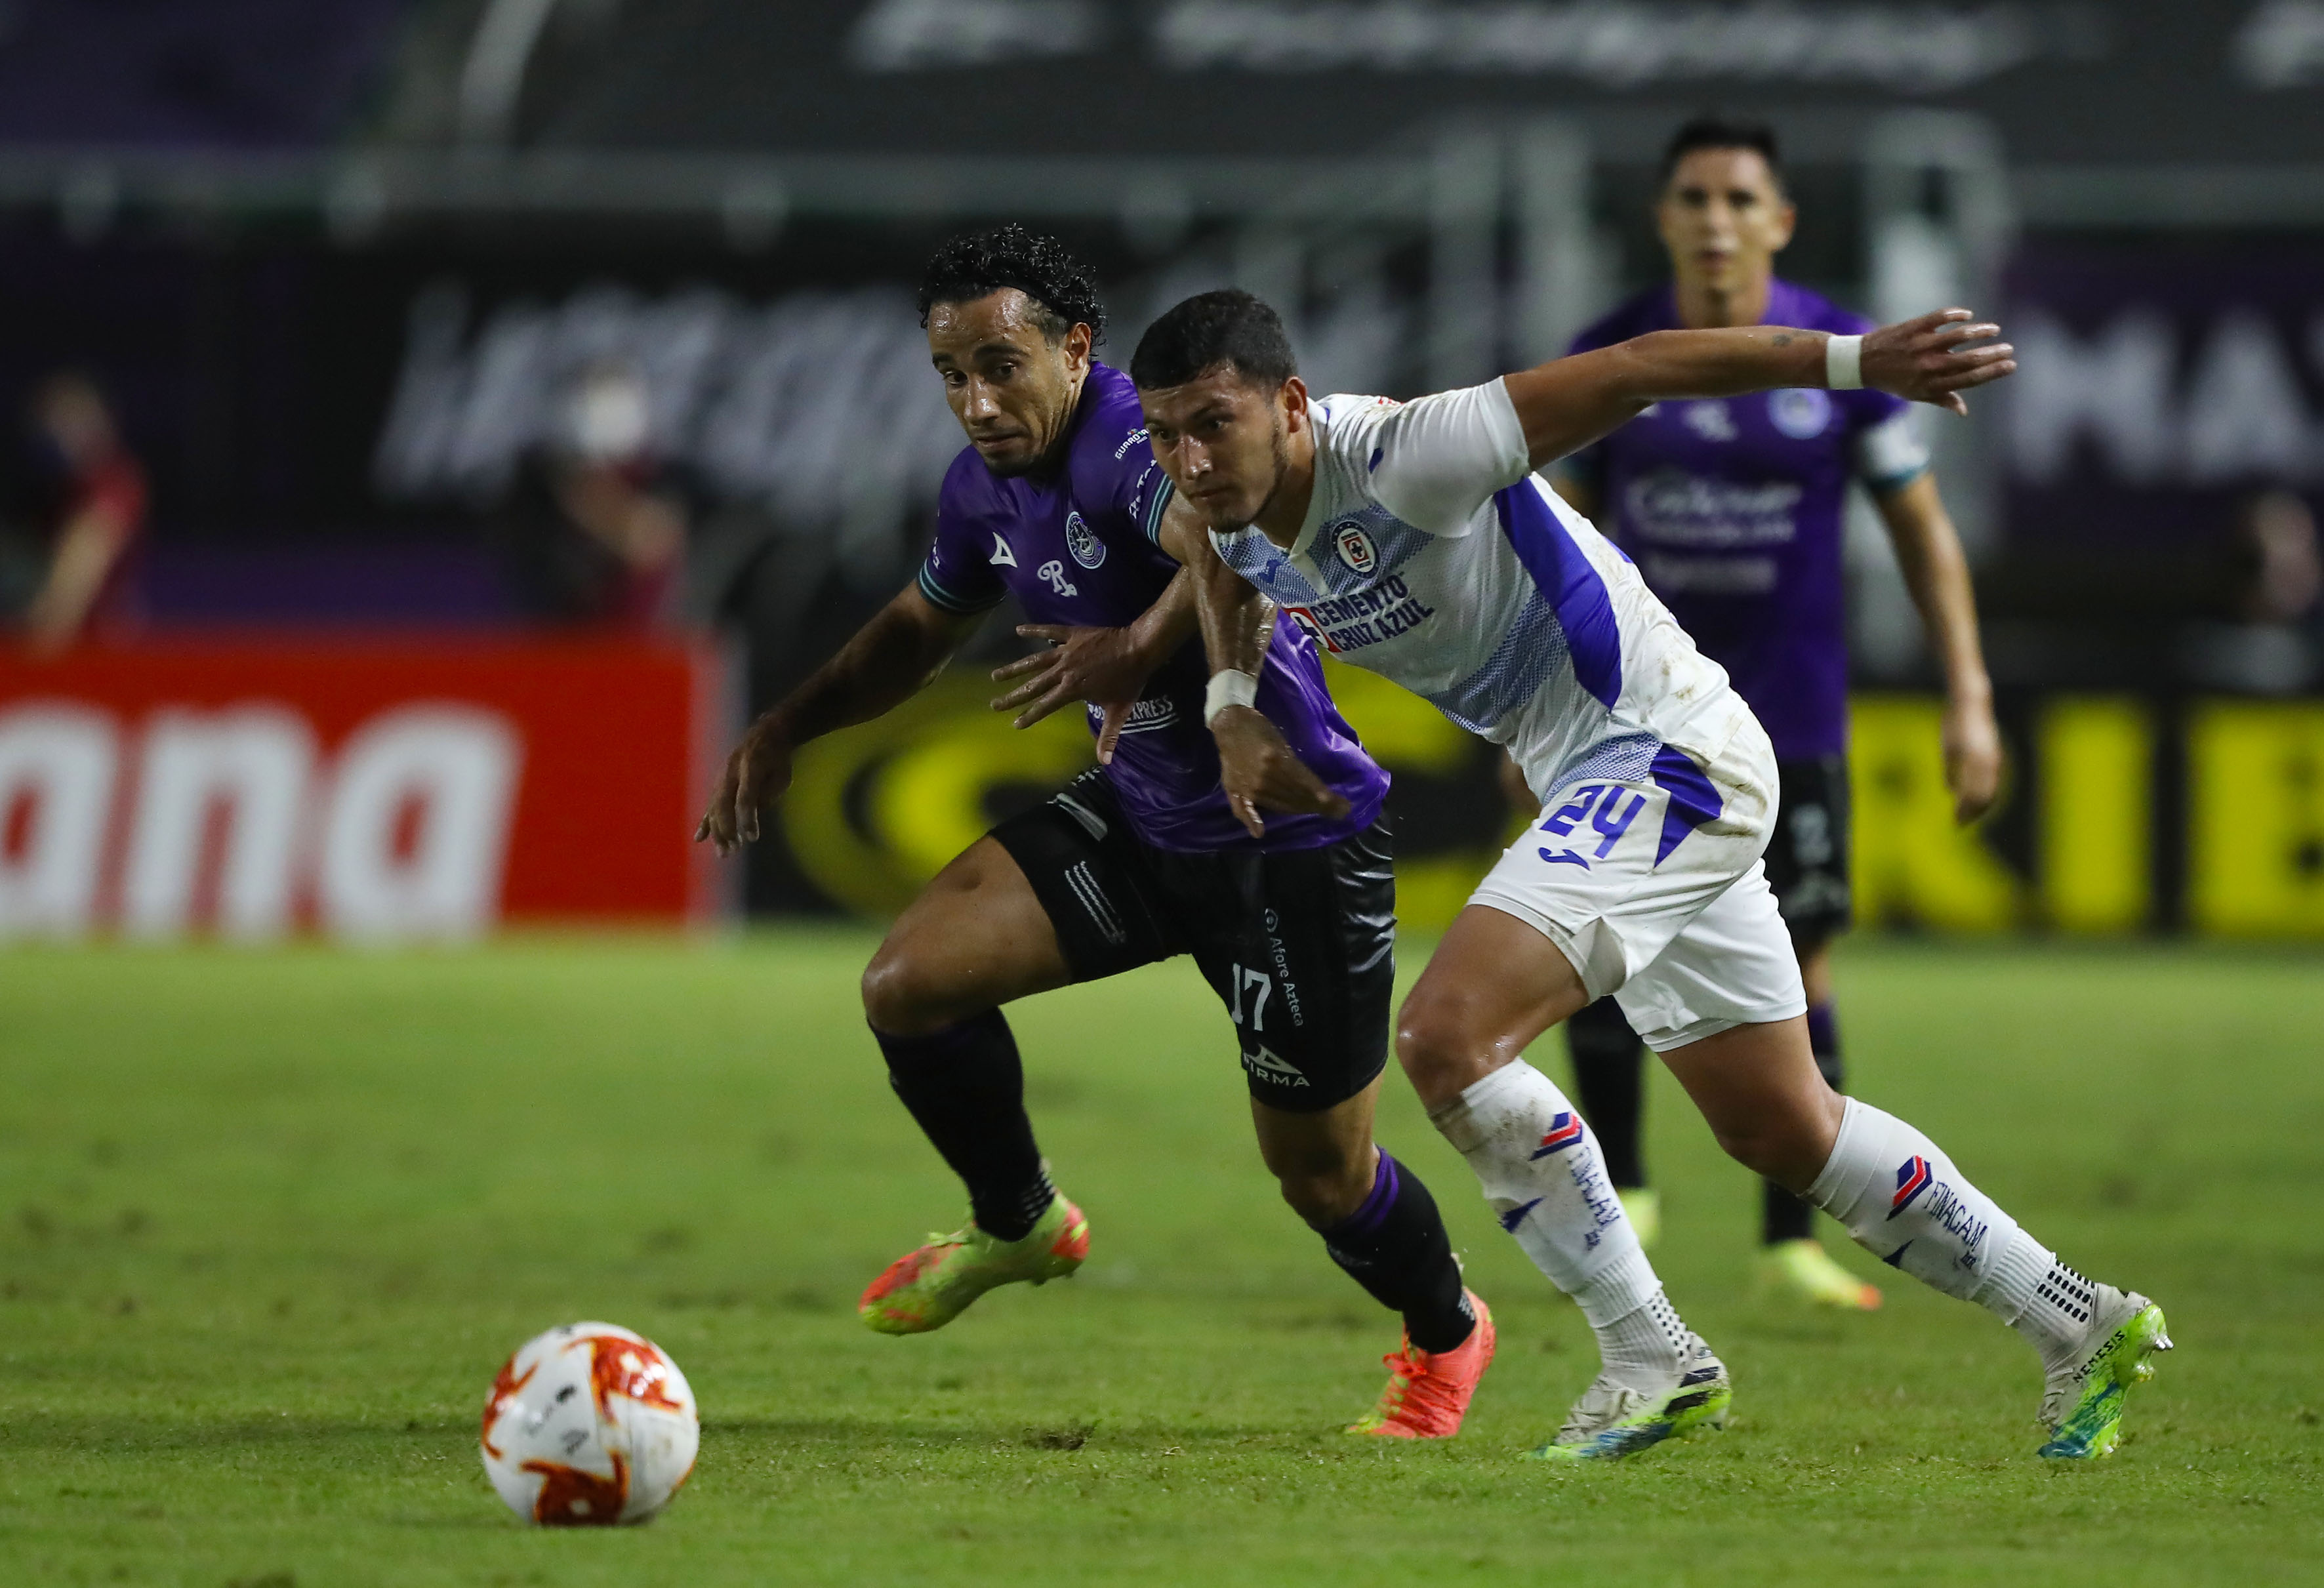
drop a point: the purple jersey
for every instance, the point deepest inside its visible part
(1079, 548)
(1734, 511)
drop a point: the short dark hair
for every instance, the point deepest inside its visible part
(1719, 131)
(1227, 327)
(978, 265)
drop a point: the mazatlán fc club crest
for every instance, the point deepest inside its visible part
(1087, 549)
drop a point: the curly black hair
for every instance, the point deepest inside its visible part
(1062, 289)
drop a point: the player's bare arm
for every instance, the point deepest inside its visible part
(1929, 551)
(890, 659)
(1107, 667)
(1257, 768)
(1567, 404)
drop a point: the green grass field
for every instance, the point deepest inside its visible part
(272, 1219)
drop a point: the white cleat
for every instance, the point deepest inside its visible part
(1613, 1420)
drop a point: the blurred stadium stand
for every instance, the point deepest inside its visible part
(343, 263)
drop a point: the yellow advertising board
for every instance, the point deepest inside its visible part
(877, 810)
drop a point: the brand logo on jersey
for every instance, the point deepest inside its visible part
(1565, 1130)
(1087, 549)
(1914, 1177)
(1054, 572)
(1801, 412)
(1274, 1066)
(1709, 420)
(1362, 617)
(1157, 711)
(1308, 626)
(1001, 556)
(1355, 547)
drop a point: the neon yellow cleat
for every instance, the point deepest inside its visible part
(1613, 1420)
(1644, 1208)
(928, 1287)
(2082, 1407)
(1804, 1269)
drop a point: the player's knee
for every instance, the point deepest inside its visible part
(1439, 1044)
(899, 996)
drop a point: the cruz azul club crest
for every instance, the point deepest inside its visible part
(1355, 547)
(1087, 549)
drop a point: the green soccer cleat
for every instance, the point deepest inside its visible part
(1803, 1271)
(2082, 1407)
(928, 1287)
(1613, 1420)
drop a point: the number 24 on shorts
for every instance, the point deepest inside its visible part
(1610, 818)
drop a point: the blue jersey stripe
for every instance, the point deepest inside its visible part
(1531, 650)
(1570, 585)
(1692, 799)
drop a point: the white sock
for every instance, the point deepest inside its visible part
(1541, 1171)
(1903, 1201)
(1643, 1348)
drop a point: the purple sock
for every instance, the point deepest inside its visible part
(1395, 1246)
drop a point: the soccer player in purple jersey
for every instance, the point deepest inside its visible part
(1734, 511)
(1057, 500)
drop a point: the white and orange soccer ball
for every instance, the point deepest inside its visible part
(587, 1426)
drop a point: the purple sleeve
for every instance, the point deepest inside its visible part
(958, 576)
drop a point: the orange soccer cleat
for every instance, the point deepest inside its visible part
(1428, 1392)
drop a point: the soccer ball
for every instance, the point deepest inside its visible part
(587, 1426)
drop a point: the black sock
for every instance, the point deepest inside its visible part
(1609, 1084)
(1783, 1216)
(966, 1088)
(1395, 1246)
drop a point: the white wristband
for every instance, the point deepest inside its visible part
(1228, 688)
(1843, 363)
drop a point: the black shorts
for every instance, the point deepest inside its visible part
(1298, 943)
(1807, 856)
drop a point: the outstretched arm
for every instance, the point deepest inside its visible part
(1256, 767)
(1929, 551)
(890, 659)
(1567, 404)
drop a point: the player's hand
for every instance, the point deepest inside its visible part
(756, 775)
(1972, 746)
(1929, 359)
(1258, 768)
(1100, 666)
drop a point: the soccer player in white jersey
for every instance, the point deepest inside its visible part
(1735, 513)
(1413, 541)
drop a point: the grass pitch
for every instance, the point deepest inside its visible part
(272, 1219)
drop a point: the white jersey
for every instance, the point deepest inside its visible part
(1432, 555)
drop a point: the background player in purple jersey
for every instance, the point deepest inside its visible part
(1734, 510)
(1057, 500)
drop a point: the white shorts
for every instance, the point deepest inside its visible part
(1655, 890)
